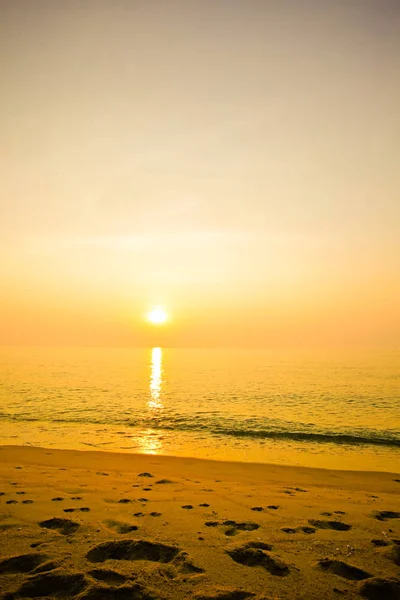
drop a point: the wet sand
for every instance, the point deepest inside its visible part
(97, 525)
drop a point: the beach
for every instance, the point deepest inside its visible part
(100, 525)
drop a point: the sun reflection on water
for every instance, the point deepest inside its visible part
(150, 440)
(155, 379)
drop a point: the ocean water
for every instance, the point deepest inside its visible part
(334, 410)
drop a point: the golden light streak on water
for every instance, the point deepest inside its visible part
(155, 384)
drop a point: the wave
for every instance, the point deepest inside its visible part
(327, 438)
(290, 432)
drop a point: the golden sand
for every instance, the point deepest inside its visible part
(105, 526)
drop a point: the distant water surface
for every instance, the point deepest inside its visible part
(317, 409)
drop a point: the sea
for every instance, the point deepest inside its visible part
(323, 409)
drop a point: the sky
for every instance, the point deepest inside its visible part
(234, 161)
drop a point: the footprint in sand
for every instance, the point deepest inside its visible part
(379, 588)
(83, 509)
(108, 576)
(187, 506)
(50, 565)
(204, 504)
(145, 474)
(257, 554)
(232, 528)
(20, 493)
(63, 526)
(23, 563)
(50, 584)
(342, 569)
(133, 550)
(291, 490)
(155, 514)
(385, 515)
(393, 553)
(304, 529)
(58, 499)
(379, 543)
(120, 527)
(335, 525)
(12, 502)
(124, 501)
(27, 501)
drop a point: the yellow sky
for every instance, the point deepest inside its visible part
(235, 161)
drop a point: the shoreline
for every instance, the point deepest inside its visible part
(130, 460)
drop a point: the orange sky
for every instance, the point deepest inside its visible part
(234, 161)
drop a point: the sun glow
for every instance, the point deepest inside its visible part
(157, 316)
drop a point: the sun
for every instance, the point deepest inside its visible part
(157, 316)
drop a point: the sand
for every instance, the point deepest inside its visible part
(96, 525)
